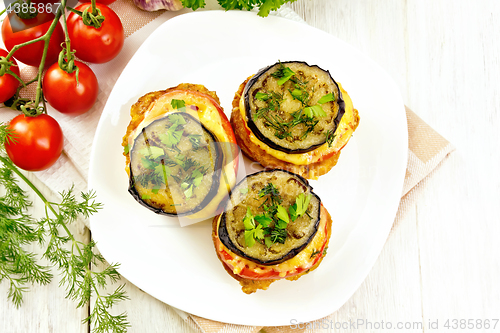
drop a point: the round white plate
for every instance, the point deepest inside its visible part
(178, 265)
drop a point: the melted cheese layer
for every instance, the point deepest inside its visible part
(343, 133)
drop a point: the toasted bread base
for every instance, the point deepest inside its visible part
(249, 286)
(254, 152)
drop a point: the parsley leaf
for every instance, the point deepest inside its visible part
(249, 238)
(268, 241)
(177, 118)
(149, 164)
(262, 96)
(314, 111)
(327, 98)
(263, 220)
(282, 214)
(145, 197)
(189, 192)
(248, 220)
(193, 4)
(265, 6)
(252, 232)
(283, 74)
(152, 152)
(172, 137)
(126, 149)
(177, 104)
(197, 177)
(302, 202)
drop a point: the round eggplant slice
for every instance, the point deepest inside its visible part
(255, 194)
(175, 165)
(293, 107)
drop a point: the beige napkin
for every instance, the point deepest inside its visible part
(426, 147)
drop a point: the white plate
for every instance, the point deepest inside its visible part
(179, 265)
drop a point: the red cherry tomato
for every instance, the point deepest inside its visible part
(63, 92)
(104, 2)
(8, 83)
(96, 45)
(29, 29)
(39, 142)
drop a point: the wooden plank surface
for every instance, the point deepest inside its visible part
(442, 262)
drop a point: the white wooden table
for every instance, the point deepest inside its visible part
(443, 262)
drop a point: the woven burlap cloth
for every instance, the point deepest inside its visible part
(426, 147)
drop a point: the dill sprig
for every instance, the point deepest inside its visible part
(73, 259)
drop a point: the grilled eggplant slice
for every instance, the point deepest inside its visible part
(175, 165)
(293, 107)
(259, 195)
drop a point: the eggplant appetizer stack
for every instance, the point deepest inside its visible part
(273, 227)
(180, 152)
(295, 117)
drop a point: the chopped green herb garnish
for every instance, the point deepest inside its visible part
(300, 206)
(300, 94)
(252, 231)
(302, 202)
(176, 118)
(330, 136)
(263, 220)
(327, 98)
(273, 100)
(278, 236)
(155, 189)
(152, 152)
(145, 197)
(195, 140)
(243, 190)
(262, 96)
(177, 103)
(189, 192)
(314, 254)
(324, 251)
(314, 111)
(283, 74)
(282, 214)
(126, 149)
(172, 137)
(197, 177)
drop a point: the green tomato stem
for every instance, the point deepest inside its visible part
(46, 39)
(94, 7)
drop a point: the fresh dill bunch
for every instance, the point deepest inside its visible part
(73, 259)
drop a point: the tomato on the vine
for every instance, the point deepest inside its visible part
(96, 45)
(38, 142)
(8, 83)
(16, 30)
(65, 94)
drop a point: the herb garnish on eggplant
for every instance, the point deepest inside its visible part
(293, 107)
(175, 165)
(271, 216)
